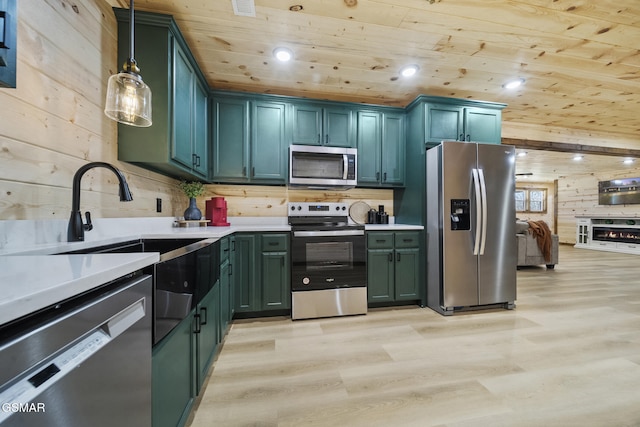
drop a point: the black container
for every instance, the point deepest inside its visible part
(372, 217)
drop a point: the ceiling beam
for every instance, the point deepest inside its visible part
(571, 148)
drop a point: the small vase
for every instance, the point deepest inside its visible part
(192, 213)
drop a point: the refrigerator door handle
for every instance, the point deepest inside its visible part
(483, 191)
(476, 185)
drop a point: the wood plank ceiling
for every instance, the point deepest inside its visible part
(580, 58)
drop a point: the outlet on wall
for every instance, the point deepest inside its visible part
(158, 205)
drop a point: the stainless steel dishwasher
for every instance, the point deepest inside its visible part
(82, 362)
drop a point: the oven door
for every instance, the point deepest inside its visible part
(328, 259)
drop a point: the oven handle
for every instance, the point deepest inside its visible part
(328, 233)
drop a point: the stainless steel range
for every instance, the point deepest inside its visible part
(328, 261)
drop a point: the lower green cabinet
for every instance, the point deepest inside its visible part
(393, 261)
(207, 333)
(173, 376)
(181, 360)
(261, 272)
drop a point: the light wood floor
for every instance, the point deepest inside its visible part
(568, 355)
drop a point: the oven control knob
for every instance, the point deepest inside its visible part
(344, 208)
(306, 281)
(293, 208)
(337, 208)
(299, 208)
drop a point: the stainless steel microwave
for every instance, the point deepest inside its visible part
(314, 166)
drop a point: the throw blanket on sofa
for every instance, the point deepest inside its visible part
(540, 230)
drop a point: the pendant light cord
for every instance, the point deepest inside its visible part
(131, 32)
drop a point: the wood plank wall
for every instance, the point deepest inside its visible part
(247, 200)
(53, 122)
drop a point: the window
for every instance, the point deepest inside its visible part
(531, 200)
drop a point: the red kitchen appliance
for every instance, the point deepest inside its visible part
(216, 211)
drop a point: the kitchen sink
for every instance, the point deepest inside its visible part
(162, 246)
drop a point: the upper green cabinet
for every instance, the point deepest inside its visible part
(314, 124)
(249, 140)
(381, 148)
(462, 123)
(177, 143)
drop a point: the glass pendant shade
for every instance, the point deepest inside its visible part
(128, 99)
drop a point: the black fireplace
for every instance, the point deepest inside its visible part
(616, 234)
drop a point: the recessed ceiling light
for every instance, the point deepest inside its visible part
(409, 70)
(578, 157)
(522, 153)
(283, 54)
(628, 161)
(512, 84)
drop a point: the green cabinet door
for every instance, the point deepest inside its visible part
(393, 150)
(276, 292)
(407, 274)
(380, 275)
(275, 289)
(268, 142)
(207, 331)
(444, 122)
(369, 141)
(338, 127)
(173, 380)
(200, 157)
(230, 139)
(226, 302)
(183, 97)
(244, 270)
(483, 125)
(307, 124)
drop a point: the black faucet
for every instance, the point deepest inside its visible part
(75, 232)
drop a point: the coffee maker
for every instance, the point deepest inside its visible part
(216, 211)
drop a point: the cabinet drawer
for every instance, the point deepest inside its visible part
(407, 240)
(380, 240)
(275, 242)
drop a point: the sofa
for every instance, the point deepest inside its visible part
(529, 249)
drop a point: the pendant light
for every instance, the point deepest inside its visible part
(128, 97)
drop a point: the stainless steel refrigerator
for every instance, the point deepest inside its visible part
(471, 241)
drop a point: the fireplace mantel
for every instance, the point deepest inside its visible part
(614, 234)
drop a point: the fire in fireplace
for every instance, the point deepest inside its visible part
(612, 234)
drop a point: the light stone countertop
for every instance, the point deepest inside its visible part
(31, 283)
(32, 279)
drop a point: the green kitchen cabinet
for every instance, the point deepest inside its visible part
(381, 149)
(226, 294)
(268, 142)
(322, 124)
(393, 260)
(230, 123)
(261, 273)
(462, 123)
(207, 333)
(173, 375)
(249, 140)
(181, 360)
(245, 272)
(177, 143)
(276, 288)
